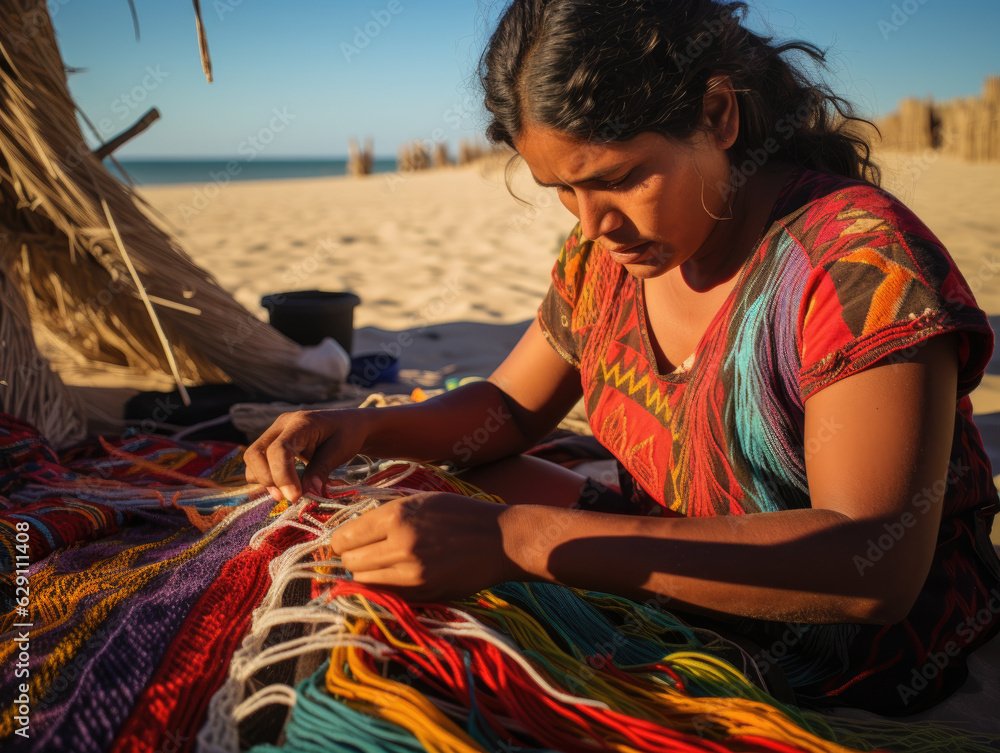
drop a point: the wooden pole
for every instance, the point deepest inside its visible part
(128, 134)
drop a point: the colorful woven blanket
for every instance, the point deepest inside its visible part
(154, 602)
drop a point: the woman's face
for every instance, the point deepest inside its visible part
(644, 200)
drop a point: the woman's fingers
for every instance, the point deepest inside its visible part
(377, 556)
(255, 458)
(281, 456)
(327, 456)
(386, 576)
(368, 528)
(322, 438)
(270, 460)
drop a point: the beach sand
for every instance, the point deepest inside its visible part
(450, 257)
(450, 268)
(447, 257)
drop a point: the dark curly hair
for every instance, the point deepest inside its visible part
(607, 70)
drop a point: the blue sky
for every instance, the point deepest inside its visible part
(310, 74)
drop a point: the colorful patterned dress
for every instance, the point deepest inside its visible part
(845, 278)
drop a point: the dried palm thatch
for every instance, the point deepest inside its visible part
(80, 254)
(22, 364)
(968, 128)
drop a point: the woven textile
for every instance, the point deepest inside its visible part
(156, 603)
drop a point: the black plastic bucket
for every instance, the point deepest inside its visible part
(307, 316)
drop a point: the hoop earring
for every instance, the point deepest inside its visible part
(705, 207)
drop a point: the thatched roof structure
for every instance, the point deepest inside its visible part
(83, 264)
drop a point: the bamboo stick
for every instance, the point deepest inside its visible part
(206, 59)
(128, 134)
(174, 371)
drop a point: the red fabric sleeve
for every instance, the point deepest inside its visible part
(882, 285)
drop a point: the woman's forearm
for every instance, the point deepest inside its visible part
(794, 565)
(470, 425)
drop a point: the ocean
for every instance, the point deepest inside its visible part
(166, 171)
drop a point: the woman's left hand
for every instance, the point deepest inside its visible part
(427, 547)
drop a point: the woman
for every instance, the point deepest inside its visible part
(778, 353)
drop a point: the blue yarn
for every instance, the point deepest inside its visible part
(766, 323)
(586, 632)
(320, 723)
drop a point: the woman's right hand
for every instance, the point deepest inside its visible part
(324, 438)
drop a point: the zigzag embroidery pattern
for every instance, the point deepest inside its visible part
(654, 401)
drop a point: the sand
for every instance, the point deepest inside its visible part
(448, 257)
(452, 259)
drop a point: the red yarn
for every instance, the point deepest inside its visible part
(512, 692)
